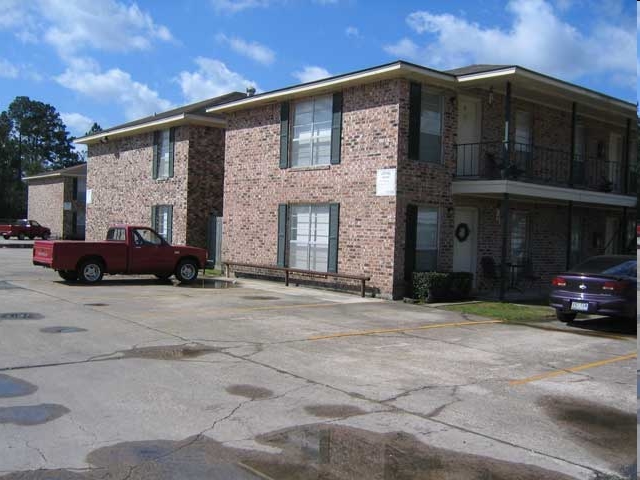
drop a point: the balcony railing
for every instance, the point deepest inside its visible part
(542, 165)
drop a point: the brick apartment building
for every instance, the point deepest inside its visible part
(165, 170)
(56, 200)
(401, 168)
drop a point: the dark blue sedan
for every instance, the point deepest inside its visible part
(603, 285)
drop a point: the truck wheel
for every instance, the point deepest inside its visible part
(21, 236)
(91, 271)
(187, 271)
(45, 236)
(68, 275)
(6, 237)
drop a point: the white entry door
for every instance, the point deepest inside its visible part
(469, 120)
(465, 249)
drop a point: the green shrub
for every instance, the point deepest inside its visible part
(438, 286)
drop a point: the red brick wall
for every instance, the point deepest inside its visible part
(255, 185)
(123, 189)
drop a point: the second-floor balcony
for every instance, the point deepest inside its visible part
(542, 165)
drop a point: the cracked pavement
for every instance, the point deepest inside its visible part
(447, 387)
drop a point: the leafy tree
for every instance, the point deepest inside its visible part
(33, 139)
(95, 128)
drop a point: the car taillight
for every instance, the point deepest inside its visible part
(614, 286)
(559, 282)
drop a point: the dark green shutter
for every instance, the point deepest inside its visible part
(282, 234)
(172, 143)
(154, 161)
(415, 94)
(284, 134)
(75, 188)
(334, 228)
(336, 128)
(410, 243)
(170, 224)
(154, 217)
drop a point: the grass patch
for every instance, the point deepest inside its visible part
(507, 312)
(212, 272)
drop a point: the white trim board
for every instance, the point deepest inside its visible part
(475, 187)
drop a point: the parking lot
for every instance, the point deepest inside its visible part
(135, 378)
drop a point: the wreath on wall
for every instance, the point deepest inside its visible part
(462, 232)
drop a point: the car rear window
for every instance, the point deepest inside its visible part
(608, 266)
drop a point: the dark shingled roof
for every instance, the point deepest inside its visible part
(198, 108)
(477, 68)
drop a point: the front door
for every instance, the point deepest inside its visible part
(150, 253)
(469, 120)
(465, 240)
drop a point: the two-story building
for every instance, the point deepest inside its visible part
(401, 168)
(165, 170)
(56, 199)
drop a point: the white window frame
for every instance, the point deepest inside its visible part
(163, 157)
(437, 234)
(312, 236)
(424, 92)
(313, 139)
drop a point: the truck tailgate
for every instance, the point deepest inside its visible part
(43, 253)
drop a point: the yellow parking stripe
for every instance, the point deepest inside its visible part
(578, 368)
(406, 329)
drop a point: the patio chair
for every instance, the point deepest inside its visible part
(490, 274)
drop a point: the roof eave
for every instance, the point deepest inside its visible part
(386, 71)
(516, 71)
(168, 122)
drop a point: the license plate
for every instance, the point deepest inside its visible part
(580, 306)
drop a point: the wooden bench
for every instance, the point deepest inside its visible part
(309, 273)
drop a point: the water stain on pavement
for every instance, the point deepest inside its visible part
(259, 297)
(14, 387)
(95, 304)
(606, 432)
(249, 391)
(333, 411)
(20, 316)
(169, 352)
(311, 452)
(62, 329)
(32, 414)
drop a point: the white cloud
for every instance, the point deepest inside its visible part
(72, 25)
(404, 48)
(76, 123)
(8, 69)
(254, 50)
(537, 38)
(233, 6)
(102, 25)
(211, 79)
(353, 32)
(311, 73)
(116, 86)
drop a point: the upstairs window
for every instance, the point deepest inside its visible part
(425, 124)
(311, 136)
(163, 150)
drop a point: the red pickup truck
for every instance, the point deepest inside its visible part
(23, 229)
(127, 250)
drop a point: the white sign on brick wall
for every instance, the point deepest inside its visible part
(88, 198)
(386, 182)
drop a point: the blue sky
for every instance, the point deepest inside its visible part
(112, 61)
